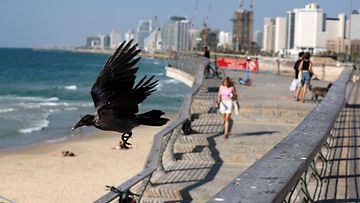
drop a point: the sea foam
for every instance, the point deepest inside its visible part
(71, 87)
(37, 99)
(7, 110)
(37, 126)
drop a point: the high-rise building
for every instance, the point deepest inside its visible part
(224, 40)
(153, 42)
(155, 24)
(209, 38)
(269, 35)
(290, 30)
(195, 39)
(129, 35)
(107, 41)
(310, 29)
(242, 29)
(182, 35)
(355, 25)
(114, 39)
(175, 34)
(93, 42)
(144, 29)
(280, 34)
(336, 27)
(258, 38)
(142, 32)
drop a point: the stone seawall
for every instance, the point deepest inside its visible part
(322, 69)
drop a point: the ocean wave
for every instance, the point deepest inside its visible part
(49, 104)
(71, 87)
(172, 95)
(55, 140)
(71, 109)
(36, 99)
(170, 81)
(36, 126)
(88, 104)
(159, 87)
(7, 110)
(158, 74)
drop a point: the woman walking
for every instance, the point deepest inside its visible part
(225, 94)
(306, 71)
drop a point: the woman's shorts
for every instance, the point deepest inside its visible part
(306, 77)
(226, 106)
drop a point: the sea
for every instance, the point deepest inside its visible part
(44, 93)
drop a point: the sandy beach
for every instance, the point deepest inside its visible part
(42, 174)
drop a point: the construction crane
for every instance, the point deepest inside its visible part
(205, 23)
(193, 17)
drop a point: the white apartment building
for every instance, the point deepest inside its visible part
(129, 35)
(225, 39)
(280, 34)
(142, 32)
(182, 35)
(310, 29)
(114, 39)
(175, 34)
(153, 42)
(355, 25)
(336, 27)
(269, 35)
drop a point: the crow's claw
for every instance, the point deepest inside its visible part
(125, 144)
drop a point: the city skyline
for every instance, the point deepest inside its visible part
(67, 23)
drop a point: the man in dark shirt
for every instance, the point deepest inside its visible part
(207, 62)
(206, 52)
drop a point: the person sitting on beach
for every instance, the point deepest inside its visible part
(224, 98)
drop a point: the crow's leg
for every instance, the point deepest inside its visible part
(124, 144)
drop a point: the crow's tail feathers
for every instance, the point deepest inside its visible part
(152, 118)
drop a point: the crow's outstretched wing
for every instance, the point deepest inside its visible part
(114, 88)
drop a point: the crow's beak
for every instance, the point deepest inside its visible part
(75, 126)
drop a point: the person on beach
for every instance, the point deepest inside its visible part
(297, 78)
(224, 98)
(306, 71)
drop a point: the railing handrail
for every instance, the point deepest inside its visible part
(271, 178)
(154, 155)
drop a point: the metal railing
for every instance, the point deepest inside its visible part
(292, 170)
(188, 63)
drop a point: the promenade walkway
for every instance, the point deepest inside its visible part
(199, 165)
(341, 179)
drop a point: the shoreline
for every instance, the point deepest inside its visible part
(41, 174)
(163, 55)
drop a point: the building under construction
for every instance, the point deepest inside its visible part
(242, 28)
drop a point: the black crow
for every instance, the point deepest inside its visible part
(116, 97)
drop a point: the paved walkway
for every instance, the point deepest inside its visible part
(341, 178)
(204, 162)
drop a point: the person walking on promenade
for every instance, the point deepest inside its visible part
(297, 78)
(306, 71)
(207, 61)
(224, 98)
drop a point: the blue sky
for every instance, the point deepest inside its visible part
(44, 23)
